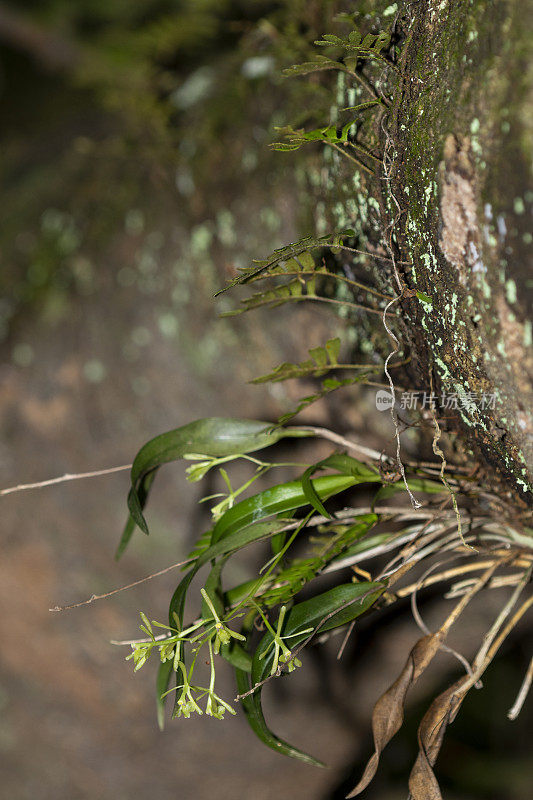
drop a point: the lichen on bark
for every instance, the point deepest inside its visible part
(462, 177)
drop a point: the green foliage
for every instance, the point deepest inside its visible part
(327, 386)
(327, 135)
(296, 256)
(371, 44)
(213, 437)
(424, 298)
(297, 289)
(291, 515)
(354, 46)
(319, 64)
(321, 361)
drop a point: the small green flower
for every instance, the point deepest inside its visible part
(167, 650)
(223, 634)
(290, 661)
(216, 706)
(281, 651)
(141, 652)
(186, 704)
(204, 463)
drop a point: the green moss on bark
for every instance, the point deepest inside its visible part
(461, 180)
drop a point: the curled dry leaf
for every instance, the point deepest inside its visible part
(387, 717)
(422, 782)
(443, 710)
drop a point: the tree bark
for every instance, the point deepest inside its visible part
(457, 193)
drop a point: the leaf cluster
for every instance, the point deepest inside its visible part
(354, 45)
(330, 134)
(286, 515)
(321, 361)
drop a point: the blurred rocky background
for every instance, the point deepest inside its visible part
(136, 180)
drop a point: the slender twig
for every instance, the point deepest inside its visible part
(516, 708)
(95, 597)
(405, 591)
(324, 272)
(325, 433)
(345, 639)
(316, 299)
(351, 158)
(67, 477)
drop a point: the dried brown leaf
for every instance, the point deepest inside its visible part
(422, 782)
(387, 717)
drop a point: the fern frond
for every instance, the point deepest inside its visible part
(300, 571)
(328, 386)
(322, 360)
(319, 64)
(371, 45)
(294, 255)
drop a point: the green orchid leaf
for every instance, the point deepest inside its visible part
(254, 714)
(311, 494)
(346, 465)
(278, 499)
(138, 499)
(342, 604)
(215, 437)
(345, 603)
(163, 679)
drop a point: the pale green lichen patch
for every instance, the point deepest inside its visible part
(390, 10)
(458, 91)
(518, 205)
(510, 291)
